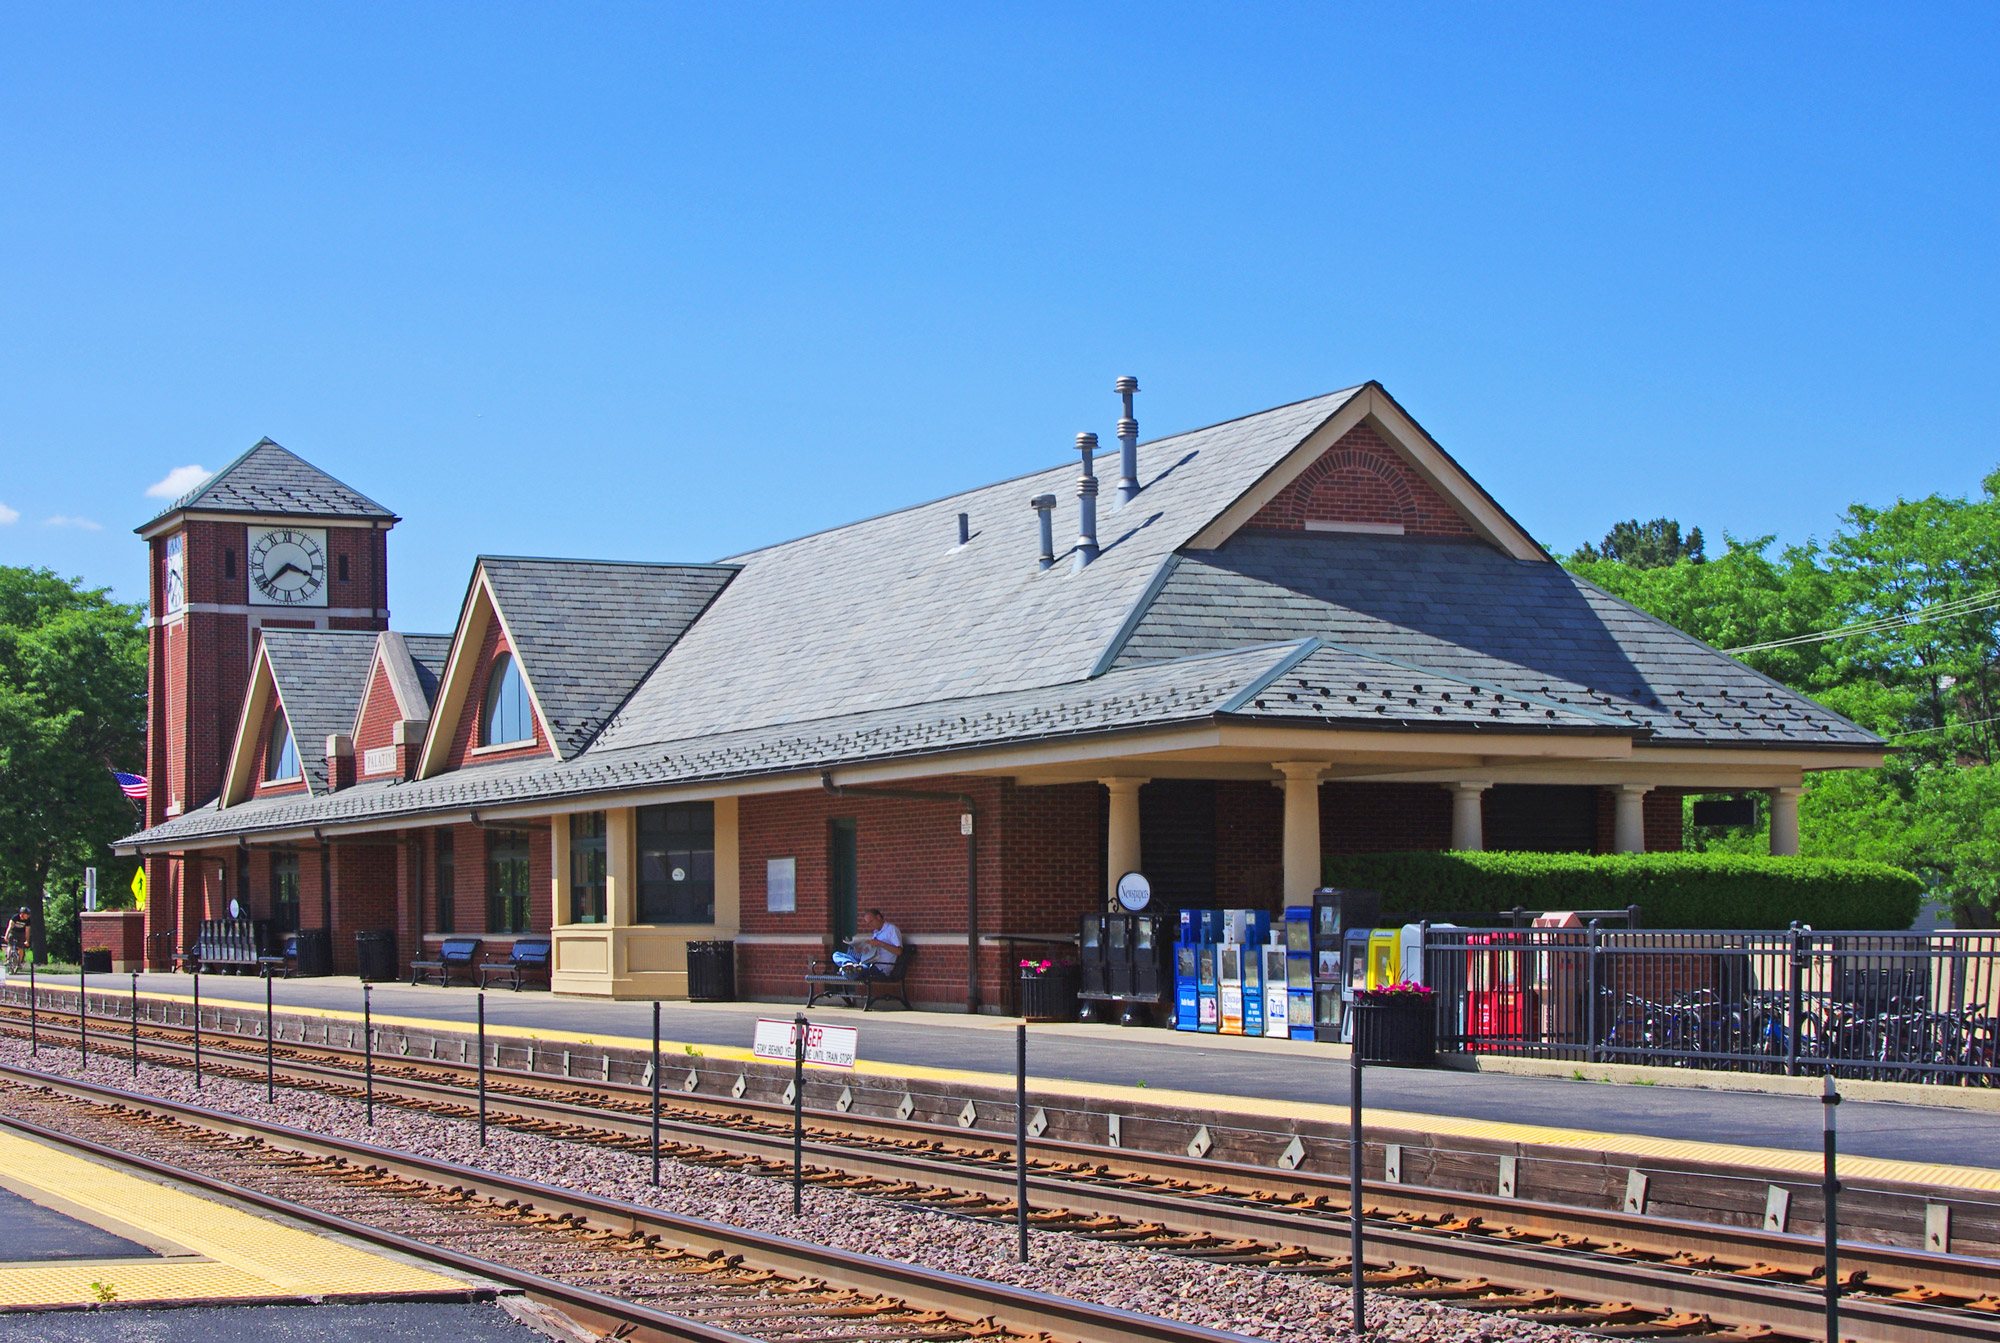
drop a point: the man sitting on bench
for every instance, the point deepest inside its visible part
(872, 950)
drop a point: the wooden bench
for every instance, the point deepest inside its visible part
(454, 953)
(825, 981)
(531, 955)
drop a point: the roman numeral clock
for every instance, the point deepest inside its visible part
(287, 566)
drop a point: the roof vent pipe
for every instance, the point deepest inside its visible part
(1086, 502)
(1128, 443)
(1045, 507)
(964, 528)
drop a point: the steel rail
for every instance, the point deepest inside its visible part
(929, 1289)
(1221, 1215)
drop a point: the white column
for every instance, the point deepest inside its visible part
(1785, 822)
(1468, 824)
(1121, 848)
(1628, 830)
(1302, 859)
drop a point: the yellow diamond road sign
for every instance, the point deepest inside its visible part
(139, 886)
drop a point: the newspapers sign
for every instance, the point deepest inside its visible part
(827, 1046)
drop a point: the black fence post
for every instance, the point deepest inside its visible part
(197, 1026)
(82, 1016)
(34, 1018)
(1795, 1004)
(1021, 1136)
(798, 1113)
(1354, 1239)
(135, 1023)
(270, 1057)
(1594, 980)
(368, 1047)
(656, 1093)
(482, 1067)
(1829, 1098)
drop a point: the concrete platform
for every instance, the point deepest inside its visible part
(113, 1238)
(1269, 1077)
(376, 1322)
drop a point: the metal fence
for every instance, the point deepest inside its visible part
(1908, 1007)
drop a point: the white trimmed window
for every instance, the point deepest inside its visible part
(508, 717)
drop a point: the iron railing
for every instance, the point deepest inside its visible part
(1911, 1007)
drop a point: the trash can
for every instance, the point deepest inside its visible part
(310, 951)
(1050, 994)
(712, 971)
(376, 951)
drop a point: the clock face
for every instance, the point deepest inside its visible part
(287, 566)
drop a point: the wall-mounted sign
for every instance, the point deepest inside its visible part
(1134, 892)
(781, 885)
(827, 1046)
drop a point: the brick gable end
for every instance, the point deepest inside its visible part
(1361, 479)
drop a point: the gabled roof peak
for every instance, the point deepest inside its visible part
(270, 478)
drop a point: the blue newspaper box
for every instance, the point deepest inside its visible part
(1187, 986)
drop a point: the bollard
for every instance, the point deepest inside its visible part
(135, 1023)
(1021, 1136)
(656, 1093)
(798, 1113)
(482, 1067)
(1829, 1098)
(270, 1059)
(368, 1047)
(1354, 1271)
(197, 1025)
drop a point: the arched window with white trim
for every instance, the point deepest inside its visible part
(509, 717)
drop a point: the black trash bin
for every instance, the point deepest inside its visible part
(376, 950)
(712, 971)
(310, 952)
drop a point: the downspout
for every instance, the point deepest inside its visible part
(971, 808)
(325, 887)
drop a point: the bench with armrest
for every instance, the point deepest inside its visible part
(530, 956)
(454, 953)
(824, 980)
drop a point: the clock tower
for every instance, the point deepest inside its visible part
(268, 542)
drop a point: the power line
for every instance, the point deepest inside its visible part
(1984, 601)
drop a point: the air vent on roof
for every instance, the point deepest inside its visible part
(1045, 507)
(1128, 443)
(1086, 501)
(964, 528)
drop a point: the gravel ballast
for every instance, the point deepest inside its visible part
(1242, 1300)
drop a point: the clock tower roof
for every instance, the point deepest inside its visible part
(272, 480)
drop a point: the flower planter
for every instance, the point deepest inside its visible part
(1049, 996)
(1396, 1032)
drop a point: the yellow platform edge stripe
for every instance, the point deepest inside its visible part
(1785, 1160)
(251, 1256)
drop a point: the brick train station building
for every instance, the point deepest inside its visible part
(1305, 631)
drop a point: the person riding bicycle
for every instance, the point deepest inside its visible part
(19, 929)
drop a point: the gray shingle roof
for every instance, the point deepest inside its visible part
(892, 611)
(1189, 691)
(428, 652)
(588, 631)
(271, 479)
(1464, 609)
(321, 676)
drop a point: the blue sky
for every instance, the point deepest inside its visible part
(670, 282)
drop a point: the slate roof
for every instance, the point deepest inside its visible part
(428, 652)
(892, 611)
(588, 631)
(886, 639)
(271, 479)
(321, 676)
(1464, 609)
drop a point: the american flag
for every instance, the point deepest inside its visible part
(132, 785)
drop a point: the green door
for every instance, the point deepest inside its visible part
(842, 879)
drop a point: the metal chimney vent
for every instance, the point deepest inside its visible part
(1086, 500)
(1045, 507)
(1128, 443)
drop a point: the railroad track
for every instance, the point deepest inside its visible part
(1616, 1274)
(676, 1278)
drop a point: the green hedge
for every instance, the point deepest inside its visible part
(1672, 890)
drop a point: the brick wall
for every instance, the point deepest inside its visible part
(1662, 808)
(1249, 845)
(376, 726)
(1383, 817)
(1362, 479)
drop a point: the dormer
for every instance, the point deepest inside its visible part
(486, 706)
(294, 732)
(395, 713)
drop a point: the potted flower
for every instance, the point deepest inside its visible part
(1396, 1024)
(1048, 990)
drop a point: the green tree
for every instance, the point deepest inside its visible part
(72, 708)
(1645, 545)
